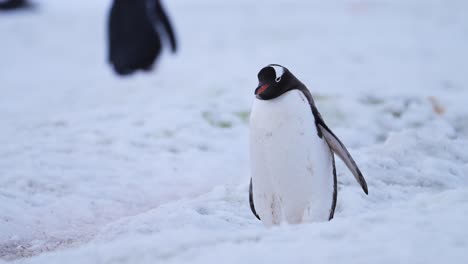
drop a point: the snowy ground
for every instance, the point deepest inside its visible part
(154, 168)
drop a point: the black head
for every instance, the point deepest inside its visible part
(274, 80)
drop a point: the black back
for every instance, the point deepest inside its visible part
(135, 31)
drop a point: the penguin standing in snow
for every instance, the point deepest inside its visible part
(135, 30)
(292, 153)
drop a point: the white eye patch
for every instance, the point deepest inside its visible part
(278, 71)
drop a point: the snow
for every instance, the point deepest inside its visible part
(155, 168)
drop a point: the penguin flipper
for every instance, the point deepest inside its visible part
(252, 207)
(160, 18)
(339, 149)
(335, 190)
(333, 141)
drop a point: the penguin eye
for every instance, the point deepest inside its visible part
(278, 79)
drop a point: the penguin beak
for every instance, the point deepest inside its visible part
(261, 88)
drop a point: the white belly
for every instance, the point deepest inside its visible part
(292, 171)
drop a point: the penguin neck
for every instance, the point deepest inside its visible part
(295, 84)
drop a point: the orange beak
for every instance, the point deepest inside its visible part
(262, 89)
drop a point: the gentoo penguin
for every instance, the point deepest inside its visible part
(292, 153)
(135, 30)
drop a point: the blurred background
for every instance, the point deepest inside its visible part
(82, 148)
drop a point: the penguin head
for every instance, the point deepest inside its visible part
(273, 81)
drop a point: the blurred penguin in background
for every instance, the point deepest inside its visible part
(13, 4)
(137, 30)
